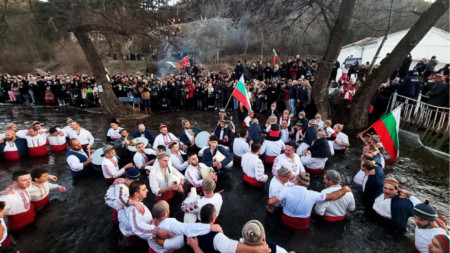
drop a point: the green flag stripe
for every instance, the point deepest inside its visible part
(391, 125)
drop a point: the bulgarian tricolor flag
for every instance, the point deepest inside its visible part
(175, 64)
(240, 93)
(387, 128)
(275, 56)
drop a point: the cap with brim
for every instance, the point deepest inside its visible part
(312, 122)
(253, 233)
(333, 176)
(425, 211)
(299, 124)
(133, 174)
(36, 123)
(208, 184)
(69, 120)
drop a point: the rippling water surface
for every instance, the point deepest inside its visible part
(79, 221)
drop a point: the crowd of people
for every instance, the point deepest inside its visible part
(292, 149)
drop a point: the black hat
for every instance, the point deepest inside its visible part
(274, 133)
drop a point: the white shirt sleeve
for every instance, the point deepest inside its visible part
(74, 163)
(188, 229)
(140, 227)
(154, 183)
(90, 138)
(224, 244)
(181, 166)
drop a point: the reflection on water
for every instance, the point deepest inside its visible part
(79, 221)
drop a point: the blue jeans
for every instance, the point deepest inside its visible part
(292, 105)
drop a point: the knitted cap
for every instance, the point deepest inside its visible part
(443, 241)
(392, 181)
(425, 211)
(133, 174)
(322, 133)
(253, 233)
(208, 184)
(303, 178)
(333, 176)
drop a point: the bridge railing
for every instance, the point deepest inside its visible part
(420, 113)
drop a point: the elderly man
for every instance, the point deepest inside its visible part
(280, 181)
(164, 138)
(439, 93)
(320, 152)
(165, 180)
(161, 212)
(19, 210)
(394, 206)
(334, 210)
(187, 136)
(209, 197)
(142, 132)
(341, 142)
(299, 202)
(428, 225)
(253, 167)
(289, 160)
(12, 147)
(77, 160)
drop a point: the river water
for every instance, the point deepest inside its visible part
(79, 221)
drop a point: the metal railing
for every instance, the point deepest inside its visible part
(420, 113)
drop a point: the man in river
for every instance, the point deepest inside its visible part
(428, 225)
(77, 160)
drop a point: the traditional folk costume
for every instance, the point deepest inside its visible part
(37, 145)
(340, 137)
(178, 162)
(208, 157)
(19, 210)
(75, 160)
(164, 140)
(187, 136)
(196, 206)
(39, 195)
(225, 135)
(194, 177)
(178, 229)
(83, 136)
(273, 145)
(240, 147)
(158, 180)
(14, 150)
(335, 210)
(320, 152)
(299, 202)
(57, 143)
(111, 170)
(253, 169)
(294, 165)
(113, 134)
(4, 238)
(275, 187)
(310, 135)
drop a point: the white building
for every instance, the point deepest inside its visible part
(436, 42)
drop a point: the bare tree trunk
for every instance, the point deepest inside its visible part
(388, 30)
(337, 36)
(110, 102)
(361, 101)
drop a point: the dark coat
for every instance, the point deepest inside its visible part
(184, 138)
(21, 144)
(310, 135)
(208, 157)
(147, 134)
(226, 132)
(320, 148)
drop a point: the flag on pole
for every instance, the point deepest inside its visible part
(175, 64)
(275, 56)
(387, 128)
(240, 93)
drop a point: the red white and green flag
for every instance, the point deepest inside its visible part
(275, 56)
(241, 94)
(175, 64)
(387, 128)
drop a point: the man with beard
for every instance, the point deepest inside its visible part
(289, 160)
(142, 132)
(187, 136)
(77, 160)
(164, 138)
(12, 147)
(36, 142)
(429, 224)
(121, 147)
